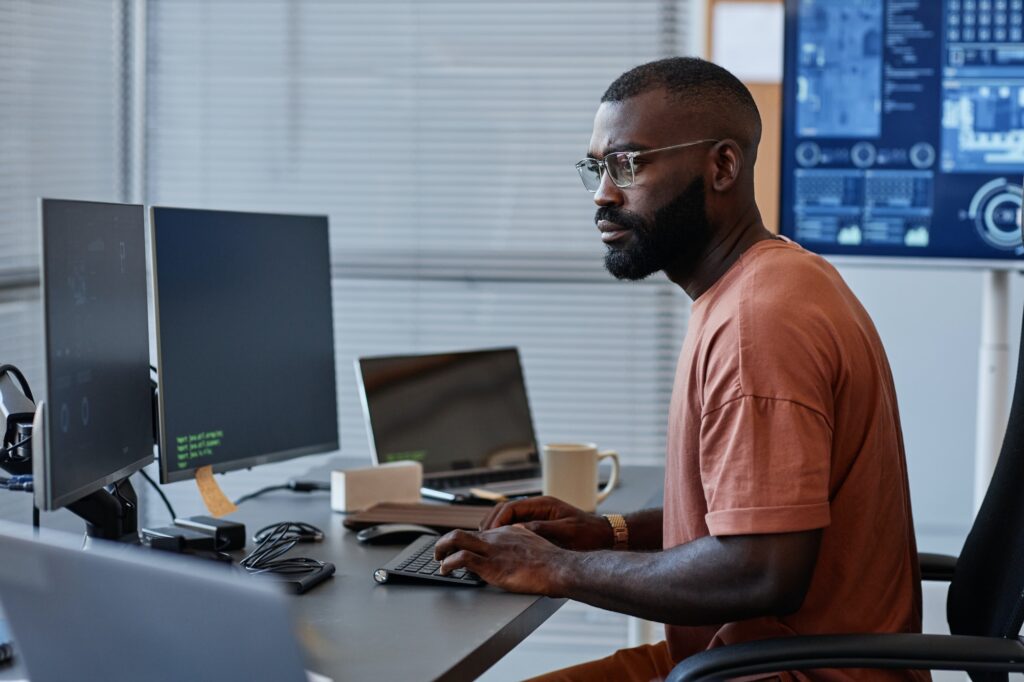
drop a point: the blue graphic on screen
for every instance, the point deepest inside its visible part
(903, 131)
(839, 70)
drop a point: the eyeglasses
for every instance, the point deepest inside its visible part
(619, 166)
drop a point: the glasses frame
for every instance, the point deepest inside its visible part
(602, 164)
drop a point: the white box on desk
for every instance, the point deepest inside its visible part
(356, 489)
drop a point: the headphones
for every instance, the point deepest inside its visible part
(17, 410)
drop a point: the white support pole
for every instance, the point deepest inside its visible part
(993, 379)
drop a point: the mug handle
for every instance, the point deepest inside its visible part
(614, 479)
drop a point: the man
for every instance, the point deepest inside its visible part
(787, 509)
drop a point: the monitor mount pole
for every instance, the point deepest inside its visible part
(111, 513)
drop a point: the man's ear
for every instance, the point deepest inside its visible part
(727, 164)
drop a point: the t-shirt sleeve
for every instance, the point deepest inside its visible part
(765, 466)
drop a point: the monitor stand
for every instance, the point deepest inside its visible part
(111, 513)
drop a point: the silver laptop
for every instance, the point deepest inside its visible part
(463, 415)
(116, 612)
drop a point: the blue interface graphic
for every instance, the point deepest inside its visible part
(903, 131)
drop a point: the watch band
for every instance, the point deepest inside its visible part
(620, 531)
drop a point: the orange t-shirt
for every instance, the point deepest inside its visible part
(784, 419)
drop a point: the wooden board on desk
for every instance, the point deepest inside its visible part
(441, 517)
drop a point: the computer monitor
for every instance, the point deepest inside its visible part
(903, 129)
(95, 427)
(245, 339)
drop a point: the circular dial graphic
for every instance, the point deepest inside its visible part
(994, 210)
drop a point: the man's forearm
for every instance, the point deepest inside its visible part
(645, 529)
(711, 580)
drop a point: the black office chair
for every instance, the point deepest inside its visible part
(984, 607)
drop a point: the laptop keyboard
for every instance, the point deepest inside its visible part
(416, 563)
(483, 477)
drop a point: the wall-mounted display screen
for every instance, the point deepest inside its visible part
(903, 127)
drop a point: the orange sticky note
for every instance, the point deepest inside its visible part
(217, 503)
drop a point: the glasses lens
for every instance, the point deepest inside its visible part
(619, 169)
(590, 173)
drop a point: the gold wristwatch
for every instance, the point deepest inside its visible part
(620, 532)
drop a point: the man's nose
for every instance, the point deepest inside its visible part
(608, 193)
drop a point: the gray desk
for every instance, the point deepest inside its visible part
(358, 630)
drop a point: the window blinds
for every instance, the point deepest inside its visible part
(60, 116)
(440, 138)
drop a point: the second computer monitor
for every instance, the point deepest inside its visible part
(98, 425)
(245, 339)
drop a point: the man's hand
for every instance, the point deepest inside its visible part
(557, 521)
(511, 557)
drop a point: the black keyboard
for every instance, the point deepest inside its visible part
(416, 562)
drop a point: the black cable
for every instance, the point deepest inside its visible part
(274, 541)
(259, 492)
(167, 503)
(304, 532)
(15, 446)
(5, 369)
(297, 486)
(35, 519)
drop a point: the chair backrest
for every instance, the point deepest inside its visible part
(986, 595)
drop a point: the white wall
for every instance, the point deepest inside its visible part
(929, 320)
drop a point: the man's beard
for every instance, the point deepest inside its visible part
(675, 239)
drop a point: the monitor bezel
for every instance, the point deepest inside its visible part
(44, 494)
(169, 475)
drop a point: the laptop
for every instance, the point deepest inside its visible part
(118, 612)
(463, 415)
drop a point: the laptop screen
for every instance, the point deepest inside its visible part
(448, 411)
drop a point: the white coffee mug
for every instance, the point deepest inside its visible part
(570, 473)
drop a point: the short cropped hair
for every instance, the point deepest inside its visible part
(694, 80)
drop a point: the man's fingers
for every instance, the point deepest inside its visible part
(461, 559)
(519, 511)
(506, 514)
(491, 520)
(458, 540)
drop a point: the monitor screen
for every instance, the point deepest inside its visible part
(99, 415)
(245, 339)
(448, 411)
(903, 127)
